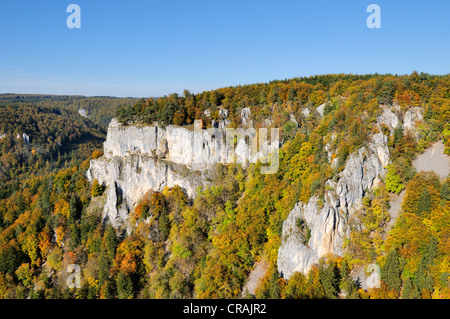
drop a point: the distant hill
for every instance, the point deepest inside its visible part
(31, 136)
(99, 109)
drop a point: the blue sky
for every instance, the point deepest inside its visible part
(150, 48)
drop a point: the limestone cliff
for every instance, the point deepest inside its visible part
(327, 222)
(128, 178)
(138, 158)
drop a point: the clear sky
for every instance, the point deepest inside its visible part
(150, 48)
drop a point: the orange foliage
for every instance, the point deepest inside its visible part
(44, 242)
(129, 255)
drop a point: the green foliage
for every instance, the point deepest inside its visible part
(100, 110)
(393, 181)
(330, 278)
(97, 189)
(10, 259)
(391, 271)
(445, 191)
(424, 203)
(269, 288)
(56, 138)
(124, 286)
(423, 193)
(409, 291)
(111, 240)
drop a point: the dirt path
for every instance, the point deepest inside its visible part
(395, 209)
(434, 160)
(255, 276)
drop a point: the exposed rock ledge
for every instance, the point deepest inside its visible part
(139, 158)
(129, 178)
(328, 223)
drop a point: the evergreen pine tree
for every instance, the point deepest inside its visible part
(445, 191)
(111, 241)
(103, 270)
(391, 271)
(424, 203)
(97, 189)
(75, 208)
(75, 237)
(344, 272)
(274, 290)
(124, 286)
(398, 134)
(163, 225)
(423, 279)
(329, 277)
(408, 289)
(107, 290)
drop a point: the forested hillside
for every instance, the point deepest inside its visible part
(99, 110)
(206, 247)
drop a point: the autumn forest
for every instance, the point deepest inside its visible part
(206, 246)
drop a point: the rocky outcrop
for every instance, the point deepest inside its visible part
(83, 112)
(321, 108)
(327, 222)
(23, 136)
(138, 158)
(389, 119)
(412, 117)
(246, 116)
(197, 149)
(128, 178)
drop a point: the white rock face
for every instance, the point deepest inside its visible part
(412, 117)
(305, 112)
(389, 119)
(223, 113)
(129, 178)
(328, 223)
(293, 119)
(246, 116)
(139, 158)
(197, 149)
(26, 138)
(321, 108)
(83, 112)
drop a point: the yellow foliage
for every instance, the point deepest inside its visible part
(62, 208)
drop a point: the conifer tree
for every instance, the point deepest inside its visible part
(111, 241)
(408, 289)
(124, 286)
(391, 271)
(329, 277)
(423, 278)
(424, 203)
